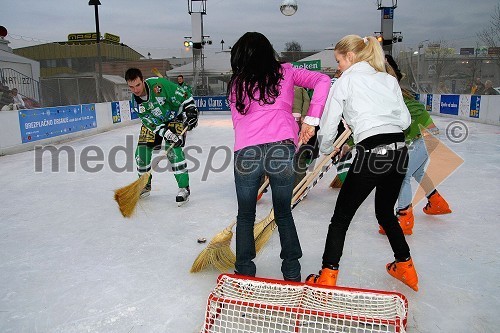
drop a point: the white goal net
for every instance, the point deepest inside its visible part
(243, 304)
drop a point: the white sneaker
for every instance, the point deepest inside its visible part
(183, 196)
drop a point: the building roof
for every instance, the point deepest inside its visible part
(215, 64)
(328, 62)
(66, 50)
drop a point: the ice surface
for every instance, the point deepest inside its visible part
(71, 263)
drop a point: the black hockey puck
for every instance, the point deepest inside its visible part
(202, 240)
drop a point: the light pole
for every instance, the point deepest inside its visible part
(96, 4)
(420, 45)
(222, 45)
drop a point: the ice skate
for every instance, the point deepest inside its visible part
(406, 221)
(405, 272)
(436, 205)
(146, 191)
(326, 277)
(183, 196)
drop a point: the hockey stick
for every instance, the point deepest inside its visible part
(263, 230)
(156, 72)
(218, 252)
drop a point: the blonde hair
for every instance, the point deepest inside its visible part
(365, 49)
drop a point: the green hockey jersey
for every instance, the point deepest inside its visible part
(166, 100)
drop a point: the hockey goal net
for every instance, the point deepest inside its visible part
(246, 304)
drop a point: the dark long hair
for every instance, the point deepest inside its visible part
(256, 71)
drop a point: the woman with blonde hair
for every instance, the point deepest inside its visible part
(372, 105)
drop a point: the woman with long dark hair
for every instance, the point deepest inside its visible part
(260, 94)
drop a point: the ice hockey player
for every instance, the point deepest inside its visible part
(164, 108)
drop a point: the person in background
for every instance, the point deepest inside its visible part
(478, 87)
(165, 109)
(417, 160)
(260, 94)
(442, 88)
(181, 83)
(6, 100)
(18, 100)
(306, 151)
(372, 105)
(488, 88)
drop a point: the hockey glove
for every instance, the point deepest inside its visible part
(175, 126)
(173, 139)
(191, 113)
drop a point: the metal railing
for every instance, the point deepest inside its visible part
(26, 86)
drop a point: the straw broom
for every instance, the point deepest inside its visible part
(128, 196)
(261, 237)
(218, 252)
(156, 72)
(336, 183)
(264, 229)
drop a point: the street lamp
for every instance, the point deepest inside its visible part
(420, 45)
(96, 4)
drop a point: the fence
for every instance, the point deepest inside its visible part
(26, 86)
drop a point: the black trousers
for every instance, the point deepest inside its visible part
(385, 174)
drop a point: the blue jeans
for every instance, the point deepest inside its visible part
(250, 163)
(417, 159)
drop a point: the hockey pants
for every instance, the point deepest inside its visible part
(149, 141)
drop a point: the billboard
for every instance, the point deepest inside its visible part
(211, 103)
(449, 104)
(312, 65)
(43, 123)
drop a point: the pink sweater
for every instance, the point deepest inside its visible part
(274, 122)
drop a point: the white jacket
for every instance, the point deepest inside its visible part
(371, 102)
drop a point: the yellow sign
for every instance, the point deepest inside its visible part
(82, 36)
(111, 37)
(92, 36)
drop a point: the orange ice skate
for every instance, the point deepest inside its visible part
(326, 277)
(406, 220)
(405, 272)
(436, 205)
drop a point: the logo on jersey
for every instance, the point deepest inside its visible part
(161, 100)
(157, 113)
(142, 109)
(157, 89)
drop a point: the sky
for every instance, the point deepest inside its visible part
(158, 27)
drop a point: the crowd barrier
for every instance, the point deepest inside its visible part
(25, 129)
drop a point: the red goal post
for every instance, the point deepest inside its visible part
(241, 304)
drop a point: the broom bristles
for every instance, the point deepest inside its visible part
(336, 182)
(217, 253)
(263, 237)
(264, 229)
(127, 196)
